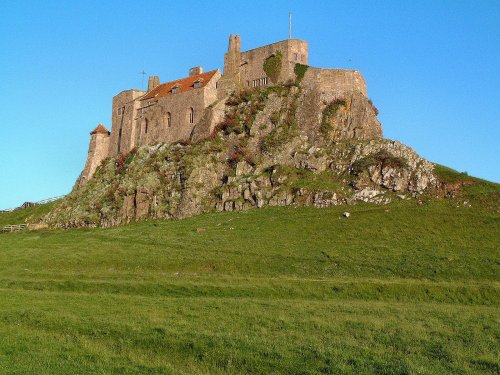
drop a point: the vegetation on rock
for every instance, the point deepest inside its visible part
(380, 159)
(300, 71)
(272, 66)
(329, 113)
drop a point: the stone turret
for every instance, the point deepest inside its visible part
(98, 151)
(231, 81)
(232, 59)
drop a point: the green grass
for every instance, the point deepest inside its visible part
(450, 175)
(21, 216)
(303, 178)
(395, 289)
(479, 192)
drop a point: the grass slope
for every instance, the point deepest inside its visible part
(395, 289)
(30, 214)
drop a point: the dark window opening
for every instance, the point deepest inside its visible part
(169, 119)
(119, 139)
(191, 115)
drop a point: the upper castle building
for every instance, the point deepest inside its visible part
(168, 112)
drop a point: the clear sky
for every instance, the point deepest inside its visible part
(432, 69)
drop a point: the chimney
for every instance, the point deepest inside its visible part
(195, 71)
(153, 81)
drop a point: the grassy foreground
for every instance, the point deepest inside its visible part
(395, 289)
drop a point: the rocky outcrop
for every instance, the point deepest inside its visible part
(176, 181)
(284, 145)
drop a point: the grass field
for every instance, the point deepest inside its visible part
(396, 289)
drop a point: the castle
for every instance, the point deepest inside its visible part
(170, 112)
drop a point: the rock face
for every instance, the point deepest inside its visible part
(284, 145)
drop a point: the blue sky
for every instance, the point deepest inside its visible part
(431, 69)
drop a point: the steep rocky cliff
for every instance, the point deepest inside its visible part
(276, 146)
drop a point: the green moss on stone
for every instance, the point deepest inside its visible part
(272, 66)
(329, 113)
(300, 70)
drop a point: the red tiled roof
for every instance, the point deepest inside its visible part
(184, 84)
(100, 129)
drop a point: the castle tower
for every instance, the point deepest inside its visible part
(98, 151)
(232, 59)
(230, 80)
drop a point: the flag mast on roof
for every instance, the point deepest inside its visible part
(289, 25)
(143, 75)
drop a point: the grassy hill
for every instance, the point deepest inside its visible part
(402, 288)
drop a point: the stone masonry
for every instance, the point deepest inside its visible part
(175, 111)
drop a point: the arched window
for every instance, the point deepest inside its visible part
(169, 119)
(191, 115)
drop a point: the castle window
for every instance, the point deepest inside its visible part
(296, 56)
(197, 84)
(119, 139)
(191, 115)
(169, 119)
(175, 89)
(146, 126)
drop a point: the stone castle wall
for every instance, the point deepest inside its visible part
(245, 70)
(153, 115)
(252, 61)
(140, 118)
(320, 87)
(124, 125)
(335, 80)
